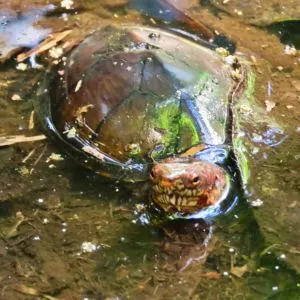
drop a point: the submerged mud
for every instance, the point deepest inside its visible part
(67, 233)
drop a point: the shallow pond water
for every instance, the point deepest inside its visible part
(67, 233)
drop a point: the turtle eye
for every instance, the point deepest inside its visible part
(196, 179)
(152, 175)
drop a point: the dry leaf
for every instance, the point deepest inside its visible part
(269, 105)
(26, 290)
(81, 110)
(55, 157)
(239, 271)
(16, 97)
(213, 275)
(21, 67)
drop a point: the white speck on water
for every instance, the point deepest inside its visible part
(64, 230)
(277, 267)
(36, 238)
(45, 221)
(225, 273)
(88, 247)
(122, 239)
(274, 288)
(178, 94)
(40, 200)
(231, 250)
(282, 256)
(78, 85)
(238, 12)
(257, 203)
(290, 50)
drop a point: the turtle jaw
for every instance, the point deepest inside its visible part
(188, 187)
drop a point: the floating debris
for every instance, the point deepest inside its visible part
(56, 52)
(26, 290)
(239, 271)
(71, 133)
(82, 110)
(238, 12)
(14, 139)
(24, 171)
(21, 67)
(88, 247)
(14, 229)
(47, 44)
(67, 4)
(16, 97)
(280, 68)
(93, 151)
(236, 74)
(54, 157)
(77, 88)
(269, 105)
(290, 50)
(31, 121)
(257, 203)
(222, 51)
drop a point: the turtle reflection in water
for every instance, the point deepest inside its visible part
(137, 101)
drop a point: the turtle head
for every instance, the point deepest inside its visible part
(180, 185)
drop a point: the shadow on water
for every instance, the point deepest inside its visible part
(288, 32)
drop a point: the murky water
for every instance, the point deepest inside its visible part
(67, 233)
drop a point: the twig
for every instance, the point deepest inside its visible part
(15, 139)
(50, 42)
(28, 155)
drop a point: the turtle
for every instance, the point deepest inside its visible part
(136, 102)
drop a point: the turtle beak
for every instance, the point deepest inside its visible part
(165, 183)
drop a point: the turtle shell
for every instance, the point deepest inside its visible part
(131, 95)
